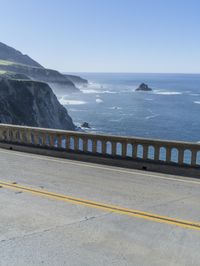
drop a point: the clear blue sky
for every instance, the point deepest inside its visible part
(106, 35)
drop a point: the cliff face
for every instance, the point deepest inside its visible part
(26, 102)
(76, 80)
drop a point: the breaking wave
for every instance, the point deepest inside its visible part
(64, 101)
(159, 92)
(99, 100)
(115, 108)
(94, 88)
(151, 117)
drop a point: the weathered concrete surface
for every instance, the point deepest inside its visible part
(40, 231)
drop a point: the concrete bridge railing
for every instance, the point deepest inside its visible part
(132, 148)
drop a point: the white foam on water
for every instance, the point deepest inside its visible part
(115, 120)
(197, 102)
(93, 91)
(90, 91)
(195, 94)
(151, 117)
(76, 110)
(94, 88)
(159, 92)
(99, 100)
(115, 108)
(64, 101)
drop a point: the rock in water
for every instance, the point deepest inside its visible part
(143, 87)
(85, 125)
(31, 103)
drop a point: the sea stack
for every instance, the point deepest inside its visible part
(85, 125)
(143, 87)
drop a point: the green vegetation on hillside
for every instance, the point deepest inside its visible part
(10, 63)
(6, 63)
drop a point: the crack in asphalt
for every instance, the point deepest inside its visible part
(86, 219)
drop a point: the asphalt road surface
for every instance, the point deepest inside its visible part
(64, 212)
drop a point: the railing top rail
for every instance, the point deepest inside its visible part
(127, 139)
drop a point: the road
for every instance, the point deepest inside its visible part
(63, 212)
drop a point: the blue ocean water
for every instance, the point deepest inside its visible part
(111, 105)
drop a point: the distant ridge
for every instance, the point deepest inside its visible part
(10, 54)
(16, 65)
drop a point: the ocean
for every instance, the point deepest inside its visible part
(111, 105)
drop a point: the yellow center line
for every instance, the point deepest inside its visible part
(105, 207)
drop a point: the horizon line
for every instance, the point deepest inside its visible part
(123, 72)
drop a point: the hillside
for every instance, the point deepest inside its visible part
(8, 53)
(14, 62)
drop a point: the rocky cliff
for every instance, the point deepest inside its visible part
(31, 103)
(76, 80)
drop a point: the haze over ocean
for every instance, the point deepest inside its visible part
(111, 105)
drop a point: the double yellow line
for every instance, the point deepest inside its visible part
(104, 207)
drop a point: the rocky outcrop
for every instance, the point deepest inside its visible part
(143, 87)
(77, 80)
(85, 125)
(31, 103)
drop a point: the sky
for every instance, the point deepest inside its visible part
(148, 36)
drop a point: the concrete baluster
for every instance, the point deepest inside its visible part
(168, 155)
(13, 132)
(76, 142)
(104, 146)
(29, 137)
(157, 153)
(8, 137)
(23, 138)
(59, 141)
(14, 135)
(67, 141)
(37, 140)
(135, 151)
(194, 158)
(1, 134)
(114, 149)
(94, 146)
(124, 149)
(180, 156)
(85, 145)
(11, 135)
(145, 152)
(17, 136)
(51, 141)
(43, 139)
